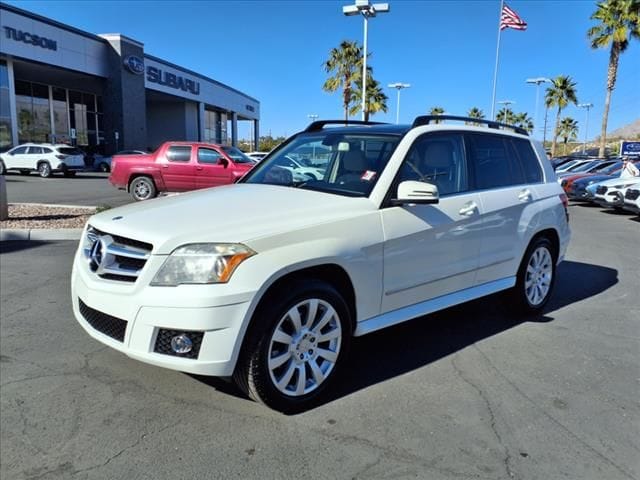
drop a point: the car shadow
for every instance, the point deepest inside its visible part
(400, 349)
(10, 246)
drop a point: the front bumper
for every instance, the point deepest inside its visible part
(148, 310)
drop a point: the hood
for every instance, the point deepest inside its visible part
(234, 213)
(624, 181)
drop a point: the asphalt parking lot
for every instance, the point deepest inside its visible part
(86, 188)
(471, 393)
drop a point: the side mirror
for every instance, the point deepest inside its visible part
(224, 162)
(414, 192)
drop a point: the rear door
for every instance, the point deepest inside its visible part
(30, 160)
(177, 168)
(212, 169)
(505, 172)
(432, 250)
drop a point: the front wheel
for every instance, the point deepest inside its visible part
(296, 350)
(536, 277)
(44, 169)
(142, 188)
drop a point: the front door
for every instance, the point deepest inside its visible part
(212, 169)
(432, 250)
(178, 169)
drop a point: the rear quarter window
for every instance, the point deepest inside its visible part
(528, 160)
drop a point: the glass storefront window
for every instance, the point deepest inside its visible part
(6, 138)
(60, 116)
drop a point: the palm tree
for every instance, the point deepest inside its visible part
(474, 113)
(344, 62)
(523, 120)
(436, 111)
(505, 115)
(560, 94)
(376, 100)
(619, 23)
(568, 130)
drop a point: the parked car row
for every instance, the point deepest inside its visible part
(608, 183)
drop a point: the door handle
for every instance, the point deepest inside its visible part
(165, 166)
(469, 209)
(198, 168)
(525, 195)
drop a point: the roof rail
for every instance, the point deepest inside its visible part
(427, 119)
(318, 124)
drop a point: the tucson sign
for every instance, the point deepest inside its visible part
(30, 38)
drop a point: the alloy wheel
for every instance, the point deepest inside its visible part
(539, 275)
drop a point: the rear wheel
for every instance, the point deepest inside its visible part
(103, 167)
(536, 277)
(44, 169)
(296, 350)
(142, 188)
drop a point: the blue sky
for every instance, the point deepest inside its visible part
(274, 51)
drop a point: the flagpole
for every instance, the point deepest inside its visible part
(495, 71)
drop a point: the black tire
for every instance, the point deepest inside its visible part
(104, 167)
(529, 276)
(142, 188)
(44, 169)
(3, 170)
(69, 174)
(252, 373)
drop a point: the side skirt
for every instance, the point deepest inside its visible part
(429, 306)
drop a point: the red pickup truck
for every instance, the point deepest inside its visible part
(178, 167)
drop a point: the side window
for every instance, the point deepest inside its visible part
(208, 155)
(46, 150)
(438, 159)
(35, 150)
(528, 160)
(19, 151)
(179, 153)
(493, 161)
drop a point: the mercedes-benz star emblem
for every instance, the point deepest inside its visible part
(99, 257)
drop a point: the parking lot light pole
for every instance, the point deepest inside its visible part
(586, 106)
(537, 81)
(313, 117)
(506, 104)
(367, 10)
(398, 86)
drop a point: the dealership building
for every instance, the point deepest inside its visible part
(59, 84)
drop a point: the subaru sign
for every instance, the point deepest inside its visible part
(630, 149)
(134, 64)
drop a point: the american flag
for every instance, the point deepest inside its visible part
(510, 19)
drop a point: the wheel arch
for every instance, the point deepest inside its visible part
(135, 175)
(550, 234)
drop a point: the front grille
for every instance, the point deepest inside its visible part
(163, 343)
(632, 194)
(110, 326)
(601, 190)
(113, 257)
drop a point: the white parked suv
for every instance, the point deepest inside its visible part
(271, 288)
(45, 159)
(610, 193)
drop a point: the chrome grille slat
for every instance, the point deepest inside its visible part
(115, 258)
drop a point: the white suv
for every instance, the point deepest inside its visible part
(46, 159)
(267, 280)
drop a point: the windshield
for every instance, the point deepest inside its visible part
(342, 163)
(610, 168)
(585, 167)
(236, 155)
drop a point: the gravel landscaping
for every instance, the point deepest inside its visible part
(34, 216)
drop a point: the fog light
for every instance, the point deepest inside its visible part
(181, 344)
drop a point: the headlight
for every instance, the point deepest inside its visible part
(201, 263)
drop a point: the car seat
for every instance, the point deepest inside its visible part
(354, 164)
(438, 166)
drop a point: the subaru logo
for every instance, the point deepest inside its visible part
(134, 64)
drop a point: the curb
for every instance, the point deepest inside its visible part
(40, 234)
